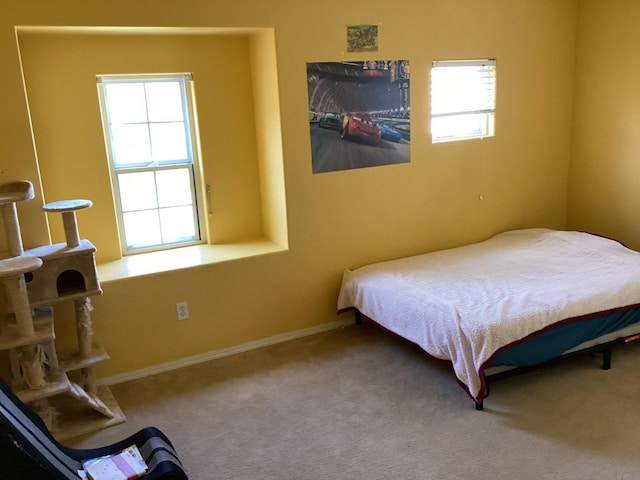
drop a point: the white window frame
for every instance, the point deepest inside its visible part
(192, 162)
(463, 99)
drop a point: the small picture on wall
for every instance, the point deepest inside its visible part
(362, 38)
(359, 114)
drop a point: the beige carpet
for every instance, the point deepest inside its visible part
(358, 403)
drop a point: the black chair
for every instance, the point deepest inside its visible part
(29, 452)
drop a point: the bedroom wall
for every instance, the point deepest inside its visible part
(447, 195)
(604, 188)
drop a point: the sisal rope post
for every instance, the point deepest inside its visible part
(12, 229)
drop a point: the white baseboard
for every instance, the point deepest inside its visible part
(225, 352)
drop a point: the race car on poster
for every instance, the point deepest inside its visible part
(389, 132)
(331, 120)
(357, 125)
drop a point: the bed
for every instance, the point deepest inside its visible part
(510, 303)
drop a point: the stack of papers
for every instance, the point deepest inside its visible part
(126, 465)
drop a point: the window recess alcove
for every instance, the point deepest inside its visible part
(238, 135)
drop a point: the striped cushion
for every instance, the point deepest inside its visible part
(156, 450)
(33, 440)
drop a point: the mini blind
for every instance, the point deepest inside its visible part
(463, 94)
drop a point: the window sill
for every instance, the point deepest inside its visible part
(182, 258)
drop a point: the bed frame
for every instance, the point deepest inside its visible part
(605, 349)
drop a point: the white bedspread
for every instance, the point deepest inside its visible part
(465, 303)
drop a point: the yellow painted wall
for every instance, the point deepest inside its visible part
(604, 192)
(340, 219)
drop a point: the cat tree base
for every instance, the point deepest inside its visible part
(77, 419)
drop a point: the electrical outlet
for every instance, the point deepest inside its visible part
(182, 310)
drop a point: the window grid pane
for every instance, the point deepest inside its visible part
(173, 187)
(130, 144)
(142, 229)
(137, 191)
(176, 224)
(164, 101)
(126, 103)
(168, 142)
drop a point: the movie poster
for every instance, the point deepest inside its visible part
(359, 114)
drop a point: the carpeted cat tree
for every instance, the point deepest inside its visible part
(35, 280)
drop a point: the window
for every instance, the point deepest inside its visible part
(149, 129)
(463, 97)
